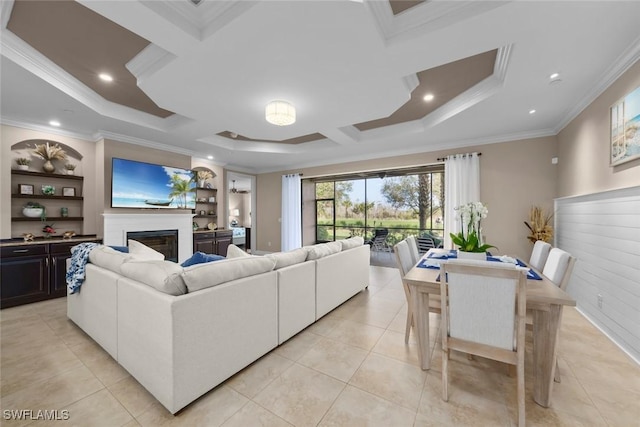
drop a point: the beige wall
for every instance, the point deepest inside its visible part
(514, 176)
(583, 146)
(10, 135)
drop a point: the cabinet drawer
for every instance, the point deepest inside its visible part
(62, 248)
(23, 250)
(203, 236)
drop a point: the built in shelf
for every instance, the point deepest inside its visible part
(206, 216)
(48, 219)
(206, 203)
(46, 175)
(43, 197)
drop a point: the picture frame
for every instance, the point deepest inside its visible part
(624, 144)
(26, 189)
(68, 191)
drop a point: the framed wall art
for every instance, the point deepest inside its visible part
(25, 189)
(68, 191)
(625, 129)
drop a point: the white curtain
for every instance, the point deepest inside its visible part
(291, 225)
(461, 185)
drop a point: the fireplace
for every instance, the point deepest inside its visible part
(163, 241)
(117, 227)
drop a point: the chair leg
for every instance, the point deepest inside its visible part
(521, 399)
(445, 375)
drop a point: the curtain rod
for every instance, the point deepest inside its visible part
(442, 159)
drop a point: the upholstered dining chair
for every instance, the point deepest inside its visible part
(413, 249)
(484, 314)
(405, 263)
(539, 255)
(559, 267)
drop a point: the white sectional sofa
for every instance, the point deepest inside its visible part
(181, 346)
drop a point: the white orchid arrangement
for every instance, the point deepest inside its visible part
(470, 216)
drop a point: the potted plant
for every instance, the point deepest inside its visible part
(539, 225)
(23, 163)
(48, 153)
(70, 168)
(33, 210)
(469, 239)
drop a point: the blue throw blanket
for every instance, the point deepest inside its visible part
(79, 259)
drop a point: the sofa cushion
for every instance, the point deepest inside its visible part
(323, 249)
(108, 258)
(235, 252)
(201, 258)
(203, 276)
(352, 242)
(143, 252)
(161, 275)
(124, 249)
(285, 259)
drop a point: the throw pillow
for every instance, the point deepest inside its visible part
(156, 274)
(211, 274)
(108, 258)
(143, 252)
(285, 259)
(201, 258)
(352, 242)
(323, 249)
(123, 249)
(235, 252)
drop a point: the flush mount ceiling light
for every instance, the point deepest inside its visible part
(280, 113)
(532, 111)
(428, 97)
(54, 123)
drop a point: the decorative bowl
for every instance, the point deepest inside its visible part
(32, 212)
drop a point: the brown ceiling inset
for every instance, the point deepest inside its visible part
(444, 82)
(399, 6)
(298, 140)
(84, 44)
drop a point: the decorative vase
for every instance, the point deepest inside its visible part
(32, 212)
(70, 172)
(23, 167)
(201, 183)
(48, 167)
(478, 256)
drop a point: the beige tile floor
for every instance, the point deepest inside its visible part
(351, 368)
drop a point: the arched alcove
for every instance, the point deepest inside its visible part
(28, 145)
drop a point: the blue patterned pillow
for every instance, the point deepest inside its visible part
(199, 258)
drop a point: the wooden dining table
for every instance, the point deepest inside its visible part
(544, 299)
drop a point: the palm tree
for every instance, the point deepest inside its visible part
(180, 188)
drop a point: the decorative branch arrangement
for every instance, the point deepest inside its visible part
(539, 225)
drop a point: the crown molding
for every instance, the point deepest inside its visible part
(46, 129)
(6, 7)
(627, 59)
(424, 18)
(105, 134)
(150, 59)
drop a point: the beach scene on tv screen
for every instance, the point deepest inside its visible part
(145, 185)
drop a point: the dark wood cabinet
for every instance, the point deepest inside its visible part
(34, 272)
(212, 242)
(24, 272)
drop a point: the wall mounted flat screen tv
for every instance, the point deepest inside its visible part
(146, 185)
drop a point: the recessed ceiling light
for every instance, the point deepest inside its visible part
(210, 157)
(428, 97)
(54, 123)
(105, 77)
(532, 111)
(554, 76)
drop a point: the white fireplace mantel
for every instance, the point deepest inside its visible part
(116, 227)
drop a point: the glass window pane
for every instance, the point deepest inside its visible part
(324, 233)
(324, 190)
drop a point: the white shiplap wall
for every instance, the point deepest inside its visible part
(602, 231)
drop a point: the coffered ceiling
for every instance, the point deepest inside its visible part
(195, 79)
